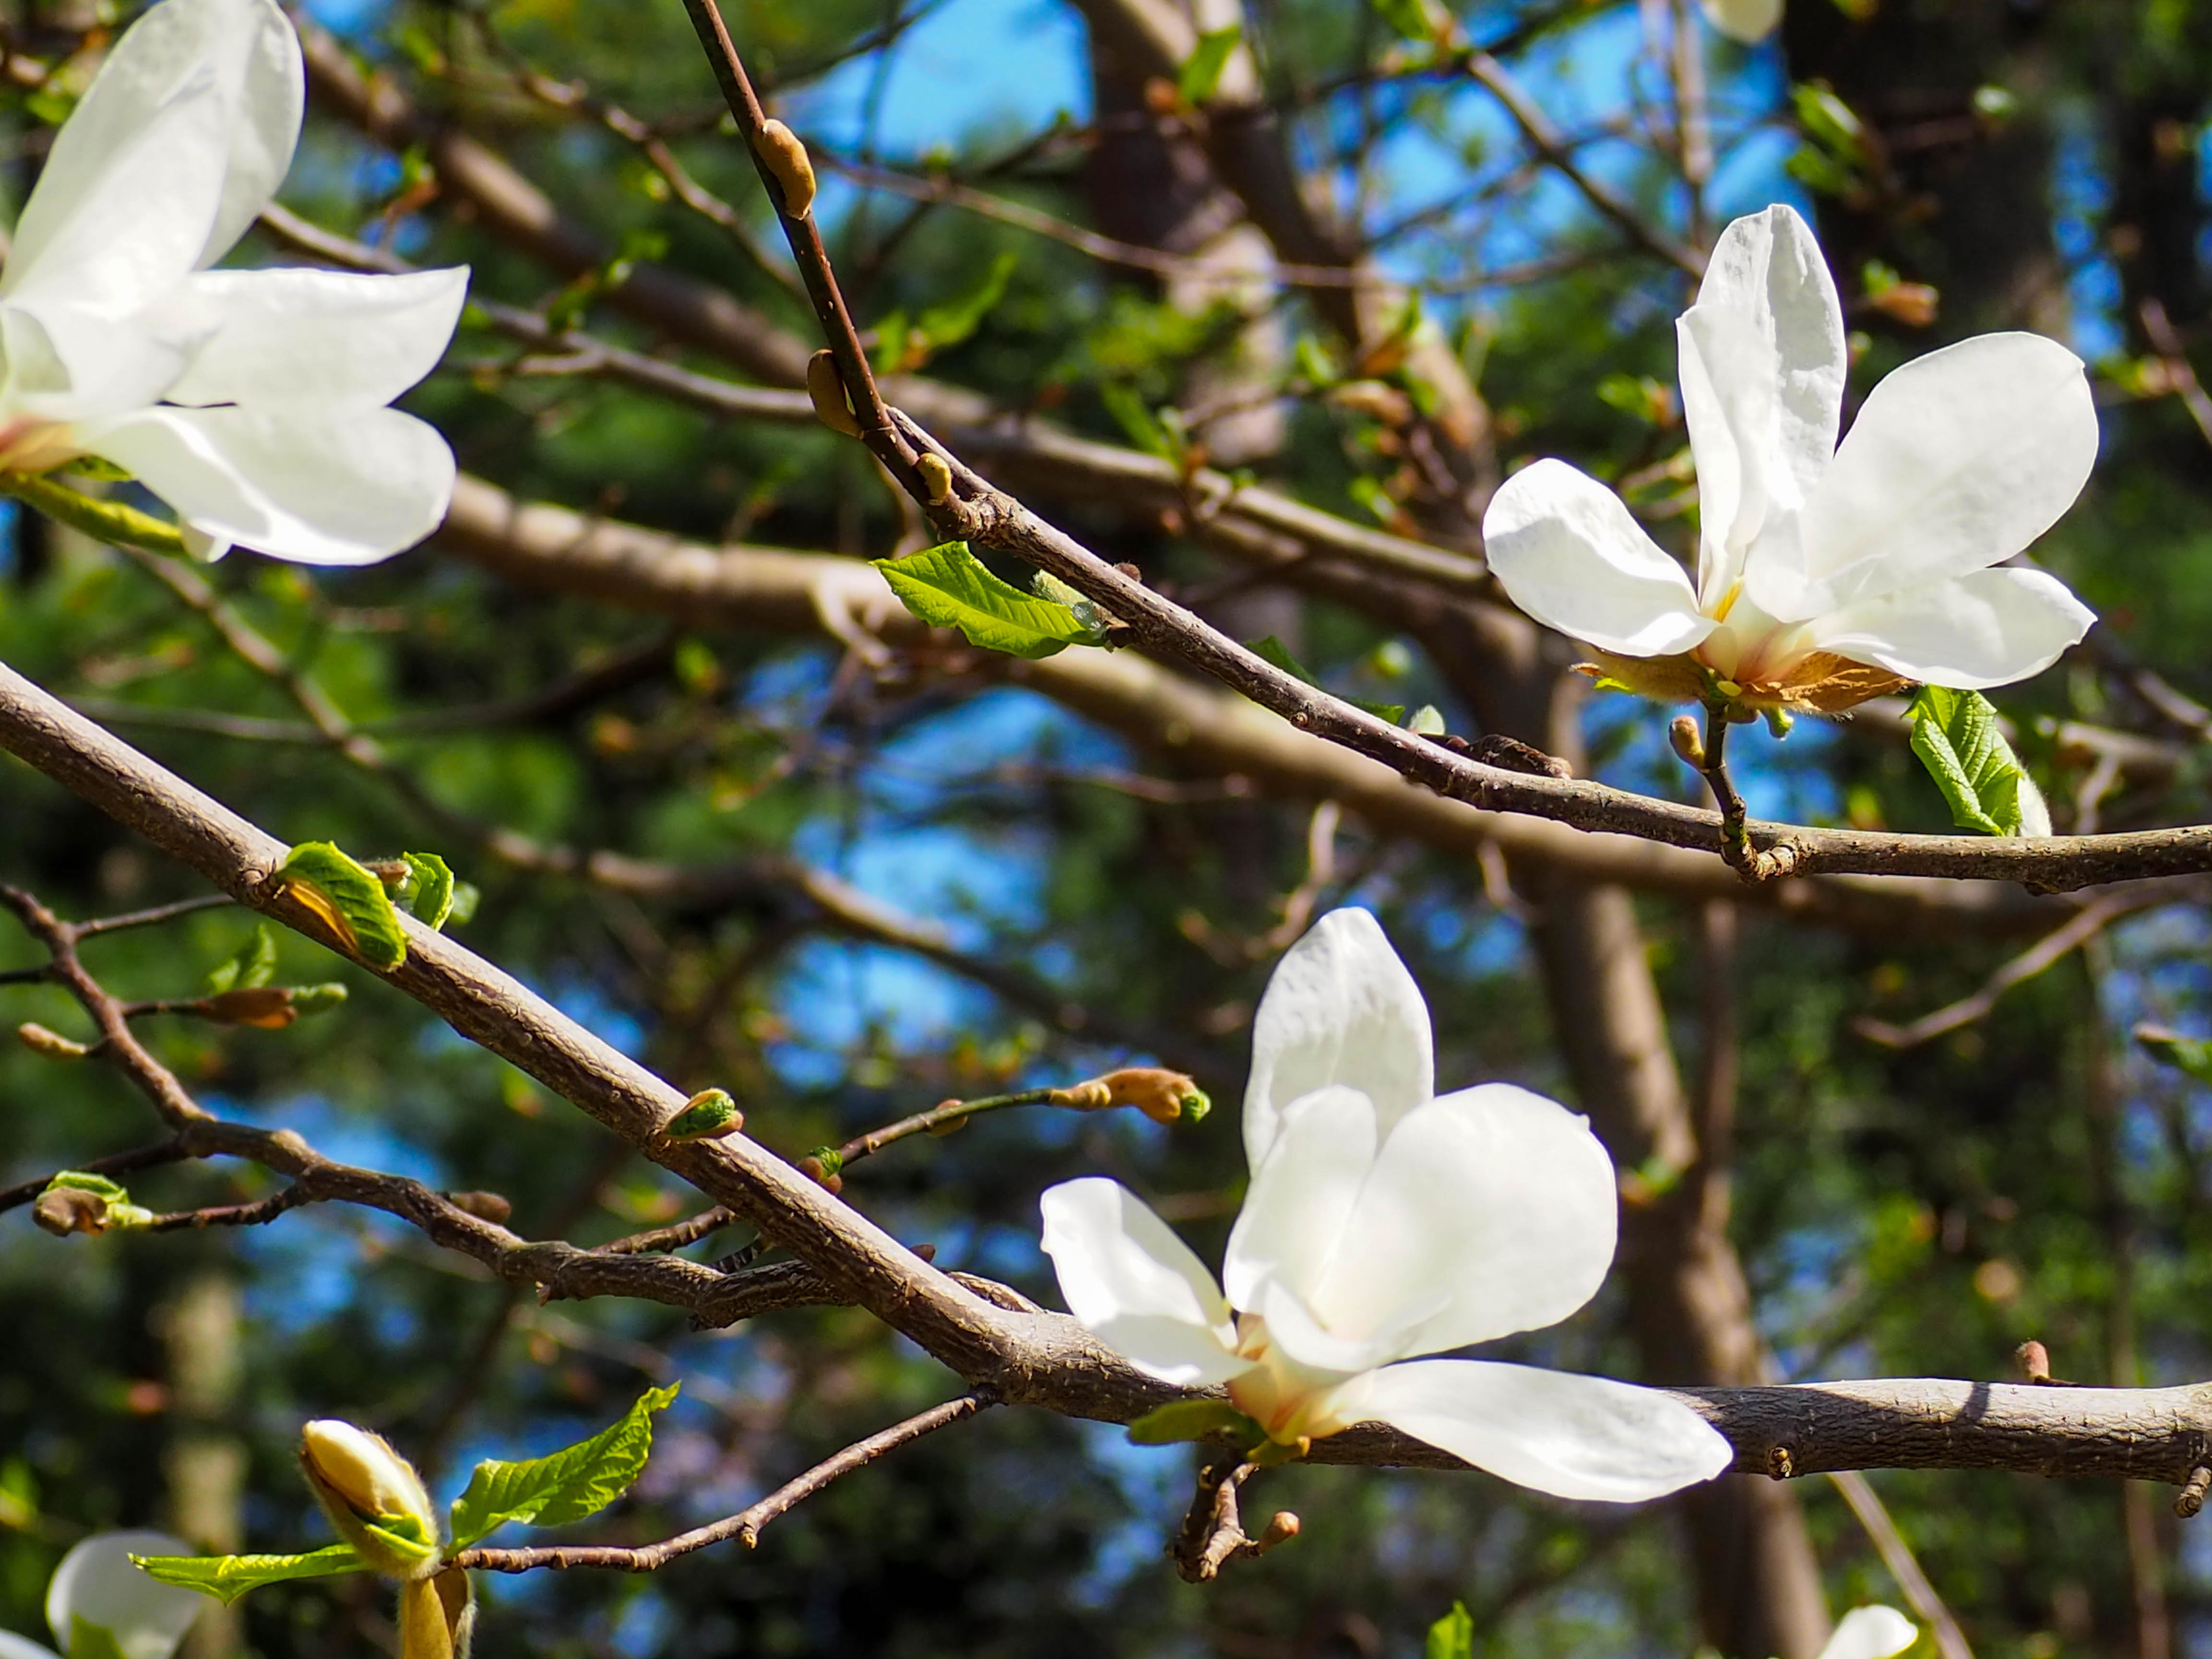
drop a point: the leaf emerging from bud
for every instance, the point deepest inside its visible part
(374, 1499)
(269, 1006)
(707, 1116)
(787, 159)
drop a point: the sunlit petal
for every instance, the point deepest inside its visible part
(1489, 1211)
(1301, 1194)
(1875, 1632)
(1136, 1286)
(1959, 460)
(1339, 1008)
(1573, 1436)
(97, 1583)
(1990, 628)
(1570, 553)
(316, 339)
(348, 488)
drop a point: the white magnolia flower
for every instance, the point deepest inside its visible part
(1383, 1224)
(1747, 20)
(1825, 575)
(1874, 1632)
(97, 1584)
(253, 402)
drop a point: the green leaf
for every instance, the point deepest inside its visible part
(707, 1115)
(91, 1641)
(1956, 735)
(1411, 19)
(1273, 651)
(428, 893)
(1201, 76)
(1137, 421)
(1452, 1637)
(949, 324)
(552, 1491)
(254, 965)
(103, 520)
(2190, 1056)
(227, 1578)
(351, 899)
(947, 588)
(1046, 586)
(98, 1184)
(1194, 1419)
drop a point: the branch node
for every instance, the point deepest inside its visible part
(1781, 1463)
(2194, 1491)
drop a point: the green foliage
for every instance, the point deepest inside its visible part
(254, 966)
(427, 891)
(2190, 1056)
(1200, 73)
(947, 587)
(1452, 1637)
(567, 1486)
(1194, 1420)
(710, 1113)
(351, 901)
(227, 1578)
(1957, 737)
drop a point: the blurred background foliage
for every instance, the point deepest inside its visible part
(1972, 164)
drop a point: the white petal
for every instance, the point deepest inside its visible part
(97, 1583)
(1763, 362)
(1339, 1008)
(1494, 1208)
(1959, 460)
(1301, 1195)
(316, 339)
(1135, 1286)
(1314, 1352)
(112, 230)
(13, 1646)
(1552, 1431)
(1875, 1632)
(1568, 551)
(350, 488)
(1747, 20)
(1990, 628)
(246, 52)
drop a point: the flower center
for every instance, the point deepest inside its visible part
(30, 445)
(1291, 1401)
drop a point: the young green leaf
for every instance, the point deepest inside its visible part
(2191, 1056)
(254, 965)
(350, 899)
(567, 1485)
(1955, 734)
(427, 891)
(91, 1641)
(1048, 586)
(1273, 651)
(1138, 422)
(1452, 1637)
(227, 1578)
(1194, 1419)
(1201, 76)
(947, 588)
(949, 324)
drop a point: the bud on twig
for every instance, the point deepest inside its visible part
(826, 387)
(707, 1116)
(821, 1167)
(1161, 1095)
(65, 1210)
(269, 1006)
(936, 477)
(375, 1499)
(787, 160)
(1682, 733)
(52, 1044)
(437, 1616)
(1281, 1530)
(484, 1207)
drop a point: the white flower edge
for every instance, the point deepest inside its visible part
(1871, 1632)
(96, 1582)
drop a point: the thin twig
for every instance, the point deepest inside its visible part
(675, 1236)
(745, 1526)
(1897, 1555)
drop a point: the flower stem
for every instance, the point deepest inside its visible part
(107, 521)
(826, 1164)
(1736, 843)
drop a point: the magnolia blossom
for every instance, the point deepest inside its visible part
(1747, 20)
(1874, 1632)
(1384, 1222)
(1825, 575)
(96, 1584)
(253, 402)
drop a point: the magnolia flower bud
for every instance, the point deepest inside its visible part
(936, 477)
(826, 387)
(437, 1616)
(52, 1044)
(1161, 1095)
(373, 1497)
(785, 158)
(1682, 733)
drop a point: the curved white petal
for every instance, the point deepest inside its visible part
(1763, 362)
(1135, 1286)
(1301, 1194)
(13, 1646)
(107, 233)
(1959, 460)
(1339, 1008)
(1489, 1211)
(245, 53)
(1568, 552)
(316, 339)
(97, 1583)
(1874, 1632)
(1747, 20)
(350, 488)
(1990, 628)
(1552, 1431)
(1310, 1350)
